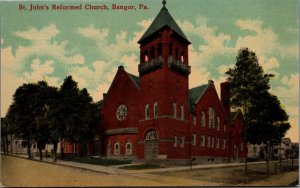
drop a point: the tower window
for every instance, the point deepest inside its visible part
(155, 106)
(152, 52)
(159, 49)
(182, 56)
(147, 111)
(171, 49)
(146, 56)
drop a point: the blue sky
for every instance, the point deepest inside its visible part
(90, 45)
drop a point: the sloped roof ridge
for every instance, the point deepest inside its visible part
(135, 79)
(163, 18)
(196, 93)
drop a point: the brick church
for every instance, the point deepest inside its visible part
(156, 117)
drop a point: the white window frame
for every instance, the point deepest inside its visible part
(175, 141)
(147, 111)
(194, 119)
(208, 142)
(174, 110)
(117, 149)
(182, 142)
(217, 142)
(155, 109)
(203, 121)
(181, 112)
(128, 151)
(218, 123)
(108, 149)
(194, 139)
(211, 117)
(224, 144)
(202, 140)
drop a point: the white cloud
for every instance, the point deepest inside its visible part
(40, 44)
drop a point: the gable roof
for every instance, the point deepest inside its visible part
(135, 79)
(195, 94)
(161, 20)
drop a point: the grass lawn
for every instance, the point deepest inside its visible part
(102, 162)
(140, 167)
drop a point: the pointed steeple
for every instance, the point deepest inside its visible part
(163, 19)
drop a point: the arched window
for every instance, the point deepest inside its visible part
(146, 58)
(182, 142)
(182, 56)
(175, 141)
(171, 49)
(147, 111)
(202, 119)
(152, 135)
(174, 110)
(152, 52)
(194, 140)
(159, 49)
(202, 142)
(194, 119)
(155, 109)
(117, 148)
(128, 148)
(211, 117)
(108, 149)
(218, 123)
(182, 112)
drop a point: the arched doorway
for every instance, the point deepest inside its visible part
(151, 145)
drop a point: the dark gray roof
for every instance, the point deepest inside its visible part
(163, 19)
(195, 94)
(135, 79)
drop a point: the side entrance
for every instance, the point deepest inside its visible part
(151, 145)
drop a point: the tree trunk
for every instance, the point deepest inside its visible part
(41, 153)
(3, 145)
(11, 146)
(28, 150)
(268, 160)
(55, 151)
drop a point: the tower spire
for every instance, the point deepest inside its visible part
(164, 3)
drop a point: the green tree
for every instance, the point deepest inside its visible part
(20, 116)
(269, 123)
(5, 132)
(27, 115)
(248, 83)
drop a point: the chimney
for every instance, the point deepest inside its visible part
(225, 98)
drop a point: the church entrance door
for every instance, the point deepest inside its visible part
(151, 145)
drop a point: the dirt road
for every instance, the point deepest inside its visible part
(19, 172)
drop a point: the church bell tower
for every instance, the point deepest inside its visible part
(164, 66)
